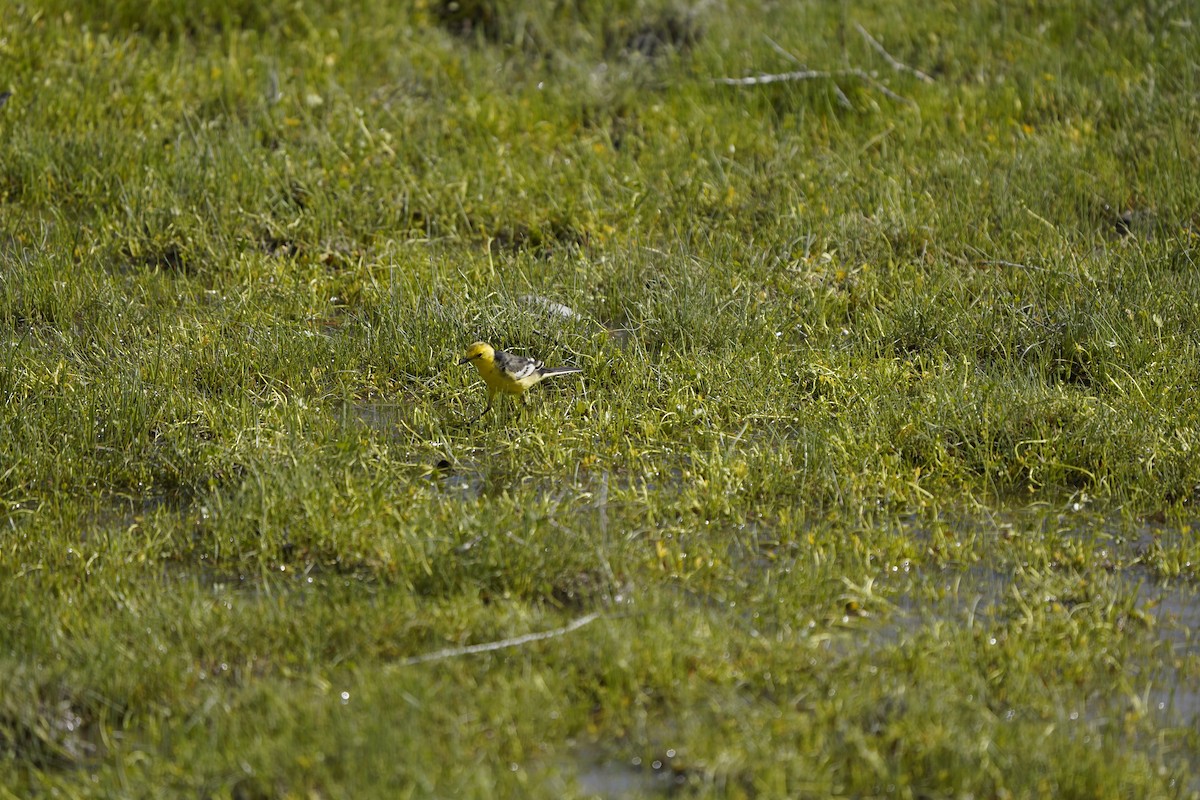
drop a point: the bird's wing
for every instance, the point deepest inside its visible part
(516, 367)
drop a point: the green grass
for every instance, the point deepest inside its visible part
(880, 474)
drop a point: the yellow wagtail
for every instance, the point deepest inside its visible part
(504, 372)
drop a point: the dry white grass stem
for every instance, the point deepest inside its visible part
(896, 64)
(487, 647)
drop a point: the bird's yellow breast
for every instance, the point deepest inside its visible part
(500, 381)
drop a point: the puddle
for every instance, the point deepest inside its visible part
(390, 419)
(606, 778)
(221, 582)
(1176, 614)
(393, 420)
(49, 723)
(465, 481)
(1101, 557)
(970, 596)
(603, 491)
(980, 594)
(113, 513)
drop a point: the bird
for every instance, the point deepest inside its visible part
(508, 373)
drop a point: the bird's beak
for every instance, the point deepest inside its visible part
(463, 360)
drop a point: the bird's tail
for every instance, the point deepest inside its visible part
(547, 372)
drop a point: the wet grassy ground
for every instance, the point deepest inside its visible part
(878, 479)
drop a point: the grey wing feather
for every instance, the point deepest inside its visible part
(517, 367)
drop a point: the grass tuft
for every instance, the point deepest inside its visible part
(880, 472)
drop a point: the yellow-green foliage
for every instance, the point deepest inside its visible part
(879, 475)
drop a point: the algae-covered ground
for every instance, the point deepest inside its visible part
(879, 478)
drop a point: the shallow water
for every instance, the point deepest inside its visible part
(601, 778)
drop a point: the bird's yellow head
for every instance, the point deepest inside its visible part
(480, 351)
